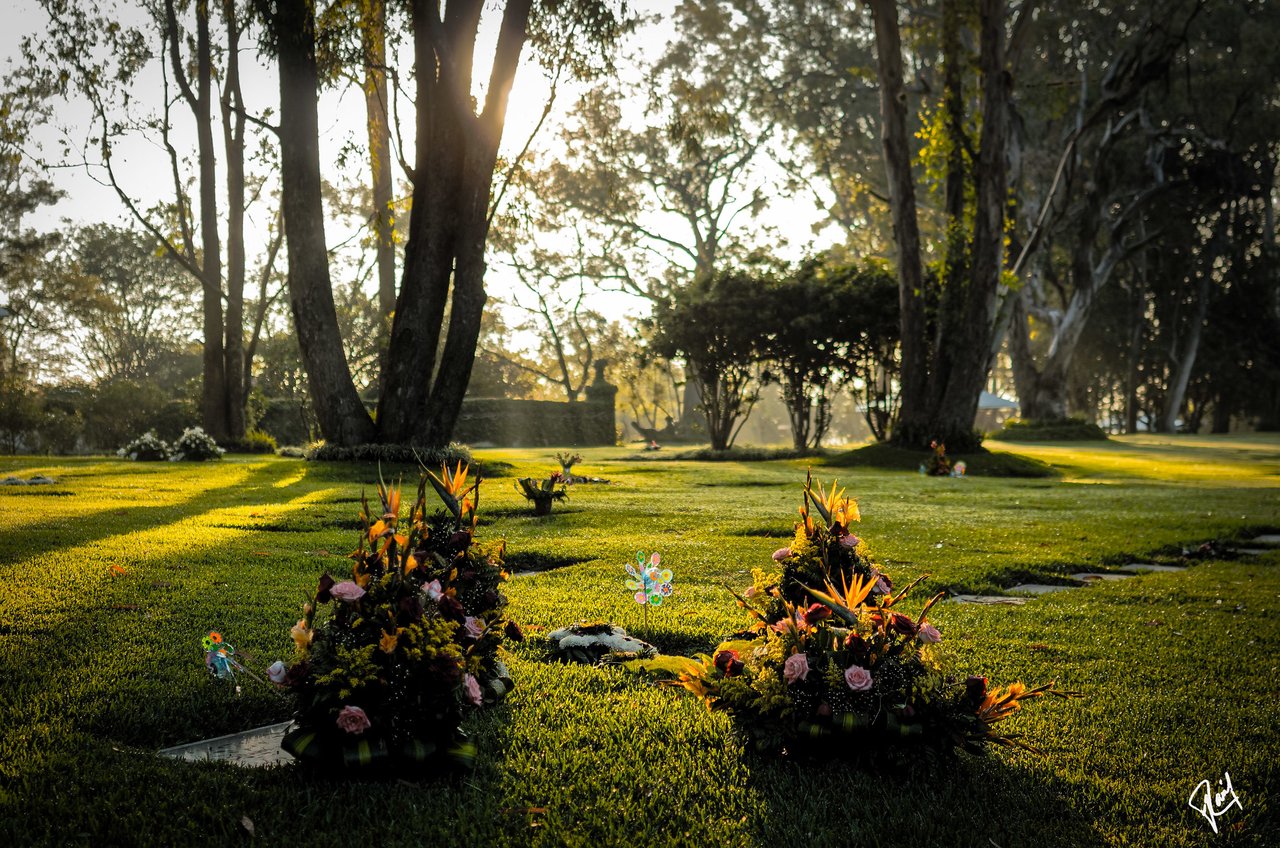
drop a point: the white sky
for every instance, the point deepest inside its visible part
(342, 121)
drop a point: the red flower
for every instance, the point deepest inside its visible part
(975, 689)
(902, 624)
(727, 663)
(816, 613)
(513, 631)
(450, 608)
(322, 591)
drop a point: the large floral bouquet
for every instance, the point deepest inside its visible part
(146, 448)
(195, 445)
(389, 660)
(832, 663)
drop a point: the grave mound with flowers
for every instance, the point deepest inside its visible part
(389, 661)
(832, 664)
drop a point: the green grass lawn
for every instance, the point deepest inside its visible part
(100, 667)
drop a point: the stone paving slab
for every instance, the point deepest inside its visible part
(1266, 539)
(1038, 588)
(1098, 576)
(1003, 600)
(251, 748)
(1252, 551)
(1150, 566)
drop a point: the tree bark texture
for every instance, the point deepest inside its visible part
(424, 383)
(233, 125)
(374, 37)
(343, 418)
(941, 387)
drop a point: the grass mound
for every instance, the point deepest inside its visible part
(1061, 430)
(751, 454)
(982, 463)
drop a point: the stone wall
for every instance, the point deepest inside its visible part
(503, 422)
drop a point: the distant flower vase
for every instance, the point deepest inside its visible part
(542, 492)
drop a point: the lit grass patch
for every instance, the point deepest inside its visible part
(100, 669)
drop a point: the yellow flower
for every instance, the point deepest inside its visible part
(302, 635)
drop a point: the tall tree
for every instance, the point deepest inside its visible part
(89, 50)
(943, 376)
(442, 297)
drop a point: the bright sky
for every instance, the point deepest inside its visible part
(342, 122)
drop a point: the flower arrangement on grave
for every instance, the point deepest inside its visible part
(146, 448)
(832, 662)
(195, 445)
(543, 492)
(939, 465)
(567, 461)
(390, 660)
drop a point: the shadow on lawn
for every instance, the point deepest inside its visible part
(74, 531)
(995, 799)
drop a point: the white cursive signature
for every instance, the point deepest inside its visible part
(1214, 804)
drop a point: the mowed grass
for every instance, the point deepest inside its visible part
(100, 667)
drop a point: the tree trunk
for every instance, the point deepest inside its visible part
(374, 38)
(213, 401)
(940, 389)
(448, 224)
(914, 373)
(343, 418)
(1187, 358)
(233, 124)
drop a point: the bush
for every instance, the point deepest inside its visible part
(195, 445)
(1062, 430)
(736, 454)
(118, 409)
(146, 448)
(449, 455)
(254, 441)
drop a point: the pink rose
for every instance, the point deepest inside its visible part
(929, 633)
(472, 688)
(848, 540)
(750, 593)
(433, 590)
(882, 586)
(796, 668)
(858, 678)
(353, 719)
(276, 672)
(473, 626)
(347, 591)
(780, 554)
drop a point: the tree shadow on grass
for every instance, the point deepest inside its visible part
(74, 531)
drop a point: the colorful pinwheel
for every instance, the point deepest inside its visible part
(649, 583)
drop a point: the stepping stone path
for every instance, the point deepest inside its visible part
(1038, 588)
(992, 600)
(251, 749)
(1098, 576)
(1270, 540)
(1139, 567)
(38, 480)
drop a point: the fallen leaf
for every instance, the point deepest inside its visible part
(118, 570)
(1038, 646)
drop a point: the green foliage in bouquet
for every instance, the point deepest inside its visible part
(389, 661)
(836, 667)
(821, 552)
(542, 492)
